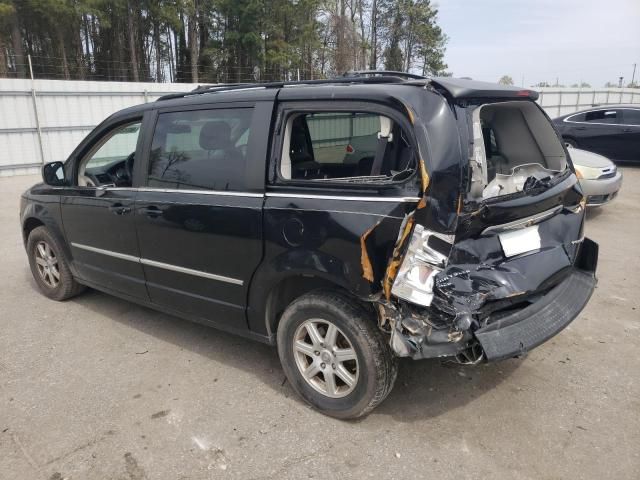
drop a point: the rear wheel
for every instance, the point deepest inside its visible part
(50, 267)
(334, 355)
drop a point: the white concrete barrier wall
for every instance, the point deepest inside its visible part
(560, 101)
(68, 110)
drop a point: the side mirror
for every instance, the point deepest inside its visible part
(53, 174)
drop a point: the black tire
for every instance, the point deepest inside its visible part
(66, 286)
(377, 367)
(570, 142)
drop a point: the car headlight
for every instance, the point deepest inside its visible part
(426, 256)
(587, 173)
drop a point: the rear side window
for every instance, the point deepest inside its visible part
(346, 147)
(579, 117)
(631, 117)
(602, 116)
(200, 149)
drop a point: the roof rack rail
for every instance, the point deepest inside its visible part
(355, 78)
(394, 73)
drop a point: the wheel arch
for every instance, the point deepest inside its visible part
(291, 287)
(29, 225)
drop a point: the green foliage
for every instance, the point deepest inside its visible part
(505, 80)
(219, 40)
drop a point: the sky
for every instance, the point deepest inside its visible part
(541, 40)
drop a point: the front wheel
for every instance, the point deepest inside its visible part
(50, 267)
(334, 355)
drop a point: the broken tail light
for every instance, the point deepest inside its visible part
(426, 256)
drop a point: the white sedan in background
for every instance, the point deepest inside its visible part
(599, 176)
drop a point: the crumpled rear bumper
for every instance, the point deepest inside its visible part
(517, 333)
(504, 335)
(526, 329)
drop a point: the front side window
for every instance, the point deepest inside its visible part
(110, 162)
(200, 149)
(346, 147)
(602, 116)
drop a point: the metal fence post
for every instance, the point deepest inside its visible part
(35, 110)
(559, 102)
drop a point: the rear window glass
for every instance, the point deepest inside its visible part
(200, 149)
(576, 118)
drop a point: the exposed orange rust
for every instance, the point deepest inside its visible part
(583, 202)
(459, 204)
(396, 259)
(422, 203)
(365, 261)
(410, 113)
(424, 176)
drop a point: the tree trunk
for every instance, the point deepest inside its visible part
(63, 51)
(374, 35)
(156, 34)
(342, 51)
(132, 45)
(18, 48)
(182, 53)
(193, 42)
(172, 75)
(3, 59)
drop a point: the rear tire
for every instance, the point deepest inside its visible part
(50, 267)
(349, 365)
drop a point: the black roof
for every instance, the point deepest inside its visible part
(354, 85)
(455, 87)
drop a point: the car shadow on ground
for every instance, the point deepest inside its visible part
(424, 389)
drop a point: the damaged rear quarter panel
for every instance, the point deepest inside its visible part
(323, 238)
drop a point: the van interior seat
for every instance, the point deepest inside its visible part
(215, 138)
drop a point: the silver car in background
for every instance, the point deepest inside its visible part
(599, 176)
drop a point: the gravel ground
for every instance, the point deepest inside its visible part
(99, 388)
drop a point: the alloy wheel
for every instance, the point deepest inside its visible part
(325, 358)
(47, 264)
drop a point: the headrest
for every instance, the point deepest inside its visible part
(215, 135)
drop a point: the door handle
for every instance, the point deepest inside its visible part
(580, 128)
(627, 130)
(119, 209)
(152, 211)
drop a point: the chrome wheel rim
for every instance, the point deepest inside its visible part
(47, 264)
(325, 358)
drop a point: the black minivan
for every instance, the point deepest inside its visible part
(347, 221)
